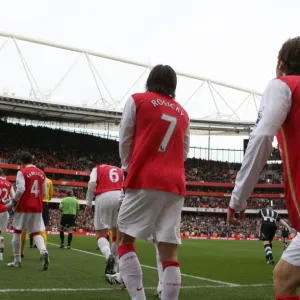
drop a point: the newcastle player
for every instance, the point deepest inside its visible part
(268, 218)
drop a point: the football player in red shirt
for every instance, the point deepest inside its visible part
(105, 184)
(28, 206)
(279, 115)
(6, 192)
(154, 143)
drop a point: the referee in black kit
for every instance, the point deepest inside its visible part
(268, 227)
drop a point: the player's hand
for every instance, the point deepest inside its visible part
(292, 230)
(87, 211)
(231, 219)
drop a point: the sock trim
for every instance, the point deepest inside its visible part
(123, 249)
(35, 234)
(287, 297)
(114, 238)
(170, 263)
(17, 231)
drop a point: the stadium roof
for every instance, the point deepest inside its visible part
(214, 107)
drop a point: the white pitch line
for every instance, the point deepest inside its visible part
(49, 290)
(153, 268)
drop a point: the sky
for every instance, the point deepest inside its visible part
(230, 41)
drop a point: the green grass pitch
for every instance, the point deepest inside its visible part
(213, 270)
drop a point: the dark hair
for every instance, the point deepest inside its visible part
(162, 80)
(69, 193)
(1, 172)
(41, 167)
(26, 158)
(289, 54)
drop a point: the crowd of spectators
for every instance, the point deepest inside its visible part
(81, 152)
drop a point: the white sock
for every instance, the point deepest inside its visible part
(114, 252)
(103, 245)
(132, 275)
(171, 283)
(159, 268)
(1, 247)
(16, 246)
(40, 243)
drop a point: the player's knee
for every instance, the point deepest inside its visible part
(168, 252)
(125, 239)
(284, 283)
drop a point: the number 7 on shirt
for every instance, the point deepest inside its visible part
(173, 121)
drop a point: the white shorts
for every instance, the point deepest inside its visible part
(4, 216)
(106, 210)
(292, 253)
(29, 222)
(148, 213)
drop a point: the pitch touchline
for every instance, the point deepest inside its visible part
(118, 289)
(153, 268)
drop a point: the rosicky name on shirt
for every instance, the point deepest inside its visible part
(159, 102)
(29, 175)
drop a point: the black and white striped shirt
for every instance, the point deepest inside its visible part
(268, 215)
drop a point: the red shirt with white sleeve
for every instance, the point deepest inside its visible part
(6, 192)
(31, 189)
(279, 115)
(104, 178)
(154, 143)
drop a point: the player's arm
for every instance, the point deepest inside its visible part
(61, 205)
(12, 193)
(187, 142)
(275, 106)
(91, 187)
(126, 134)
(286, 225)
(45, 188)
(50, 190)
(20, 185)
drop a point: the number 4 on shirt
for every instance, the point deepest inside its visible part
(173, 121)
(35, 188)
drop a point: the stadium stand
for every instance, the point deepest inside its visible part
(69, 157)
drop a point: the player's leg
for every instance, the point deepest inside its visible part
(18, 224)
(3, 226)
(102, 223)
(63, 225)
(287, 272)
(24, 238)
(112, 219)
(114, 248)
(16, 247)
(46, 221)
(35, 227)
(268, 250)
(167, 235)
(159, 270)
(30, 241)
(70, 228)
(136, 219)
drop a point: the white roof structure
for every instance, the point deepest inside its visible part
(52, 81)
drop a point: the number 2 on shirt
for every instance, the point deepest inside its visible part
(35, 188)
(4, 196)
(173, 121)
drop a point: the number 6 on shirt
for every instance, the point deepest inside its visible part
(173, 121)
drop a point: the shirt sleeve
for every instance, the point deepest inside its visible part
(20, 184)
(91, 187)
(275, 106)
(126, 134)
(45, 188)
(50, 190)
(187, 142)
(12, 193)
